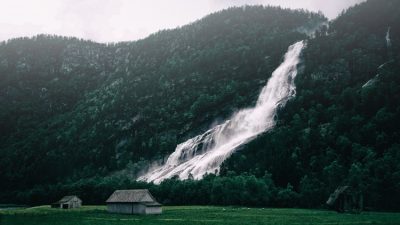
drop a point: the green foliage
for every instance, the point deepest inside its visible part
(80, 117)
(73, 109)
(338, 131)
(230, 190)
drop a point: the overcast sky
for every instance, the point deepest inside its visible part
(125, 20)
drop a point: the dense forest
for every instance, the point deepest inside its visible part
(82, 117)
(74, 108)
(341, 129)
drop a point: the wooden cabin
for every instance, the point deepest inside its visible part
(68, 202)
(137, 201)
(346, 199)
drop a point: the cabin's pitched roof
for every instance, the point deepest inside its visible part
(67, 198)
(132, 196)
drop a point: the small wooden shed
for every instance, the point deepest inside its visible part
(137, 201)
(68, 202)
(346, 199)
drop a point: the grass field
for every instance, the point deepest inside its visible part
(191, 215)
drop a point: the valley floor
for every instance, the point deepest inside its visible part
(97, 215)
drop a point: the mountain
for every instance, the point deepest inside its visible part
(81, 117)
(73, 108)
(338, 130)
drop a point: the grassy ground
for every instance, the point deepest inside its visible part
(192, 215)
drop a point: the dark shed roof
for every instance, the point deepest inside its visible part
(132, 196)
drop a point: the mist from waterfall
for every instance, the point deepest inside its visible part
(205, 153)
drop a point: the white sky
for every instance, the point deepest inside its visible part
(125, 20)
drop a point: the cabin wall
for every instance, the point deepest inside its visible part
(126, 208)
(119, 208)
(139, 209)
(76, 203)
(153, 210)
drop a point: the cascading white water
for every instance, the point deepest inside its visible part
(388, 41)
(206, 152)
(388, 45)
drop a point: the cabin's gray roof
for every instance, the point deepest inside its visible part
(68, 198)
(132, 196)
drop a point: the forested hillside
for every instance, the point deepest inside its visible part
(72, 108)
(342, 128)
(82, 117)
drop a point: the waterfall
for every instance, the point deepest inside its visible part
(388, 41)
(376, 77)
(205, 153)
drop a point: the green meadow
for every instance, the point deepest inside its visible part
(192, 215)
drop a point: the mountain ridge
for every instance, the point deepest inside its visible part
(112, 107)
(335, 132)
